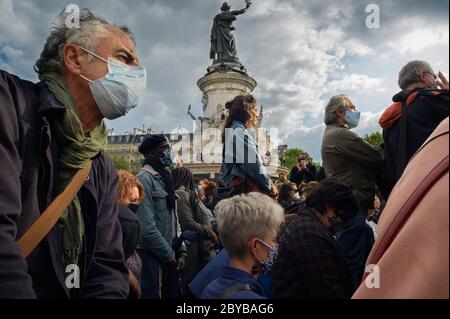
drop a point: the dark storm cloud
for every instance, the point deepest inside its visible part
(295, 49)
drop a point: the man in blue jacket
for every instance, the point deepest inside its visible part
(158, 220)
(48, 132)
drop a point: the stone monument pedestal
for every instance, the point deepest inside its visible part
(221, 86)
(222, 83)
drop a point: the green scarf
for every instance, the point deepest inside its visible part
(75, 149)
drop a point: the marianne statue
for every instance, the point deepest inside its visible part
(223, 46)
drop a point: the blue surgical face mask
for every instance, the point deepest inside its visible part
(273, 254)
(352, 118)
(120, 90)
(167, 158)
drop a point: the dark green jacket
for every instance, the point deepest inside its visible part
(352, 161)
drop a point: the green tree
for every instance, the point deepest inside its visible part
(374, 139)
(118, 162)
(291, 156)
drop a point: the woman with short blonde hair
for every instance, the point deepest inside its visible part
(248, 227)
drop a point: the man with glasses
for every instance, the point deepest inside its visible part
(416, 112)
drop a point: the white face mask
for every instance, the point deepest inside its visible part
(120, 90)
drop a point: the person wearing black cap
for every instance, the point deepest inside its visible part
(158, 219)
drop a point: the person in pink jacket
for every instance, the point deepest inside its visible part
(410, 259)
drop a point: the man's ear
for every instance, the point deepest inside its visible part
(422, 77)
(72, 59)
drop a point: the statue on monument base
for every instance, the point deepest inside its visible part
(223, 46)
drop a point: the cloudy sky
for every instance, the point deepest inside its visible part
(301, 52)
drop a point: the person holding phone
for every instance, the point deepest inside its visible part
(304, 171)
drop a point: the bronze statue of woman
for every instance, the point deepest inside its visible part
(223, 46)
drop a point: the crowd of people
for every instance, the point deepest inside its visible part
(165, 234)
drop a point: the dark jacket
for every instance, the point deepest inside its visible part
(351, 161)
(130, 230)
(29, 156)
(200, 252)
(321, 174)
(425, 110)
(229, 278)
(309, 265)
(304, 176)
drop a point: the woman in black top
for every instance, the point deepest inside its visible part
(130, 192)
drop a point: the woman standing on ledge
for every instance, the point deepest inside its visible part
(242, 167)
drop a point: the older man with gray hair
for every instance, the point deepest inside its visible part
(351, 161)
(417, 110)
(346, 156)
(51, 139)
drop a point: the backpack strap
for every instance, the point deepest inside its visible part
(236, 288)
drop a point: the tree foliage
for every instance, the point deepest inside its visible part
(291, 156)
(374, 139)
(119, 162)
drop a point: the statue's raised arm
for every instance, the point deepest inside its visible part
(242, 11)
(223, 46)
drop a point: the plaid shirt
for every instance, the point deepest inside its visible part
(309, 264)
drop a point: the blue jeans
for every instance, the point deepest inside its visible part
(152, 286)
(150, 275)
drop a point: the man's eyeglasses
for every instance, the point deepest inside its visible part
(435, 76)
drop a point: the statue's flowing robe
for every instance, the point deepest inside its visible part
(222, 40)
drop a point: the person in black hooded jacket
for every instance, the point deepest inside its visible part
(417, 110)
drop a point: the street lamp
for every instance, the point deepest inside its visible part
(201, 119)
(190, 113)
